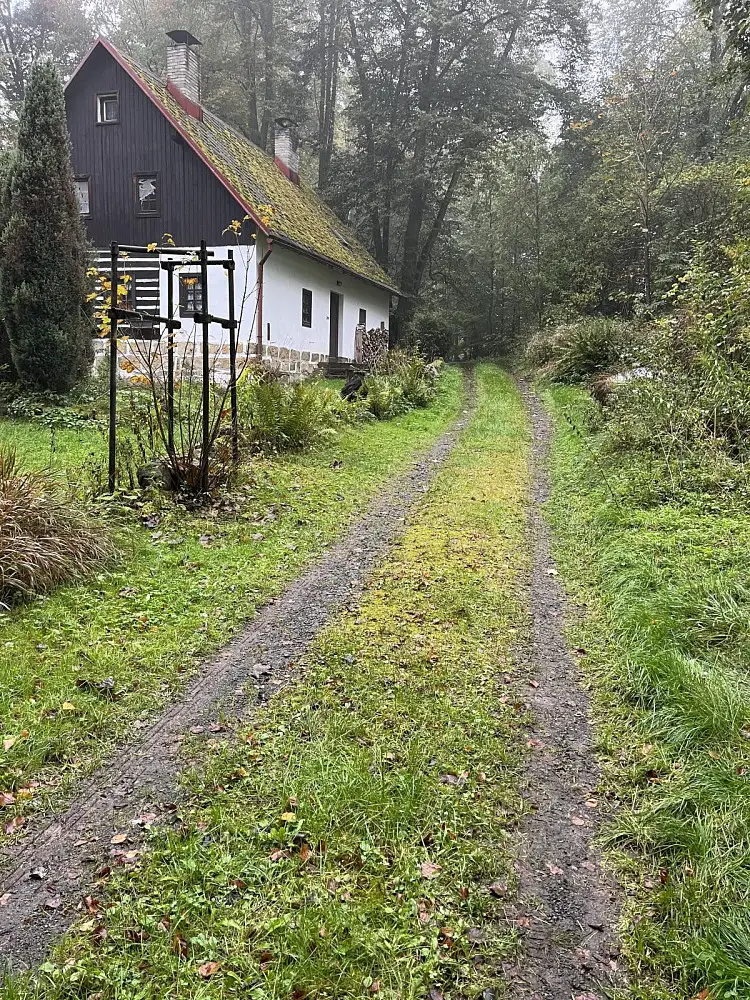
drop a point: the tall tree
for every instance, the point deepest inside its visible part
(44, 248)
(31, 30)
(436, 84)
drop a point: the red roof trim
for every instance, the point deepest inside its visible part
(193, 109)
(108, 47)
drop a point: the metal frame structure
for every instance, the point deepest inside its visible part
(203, 318)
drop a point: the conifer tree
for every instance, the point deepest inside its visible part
(43, 283)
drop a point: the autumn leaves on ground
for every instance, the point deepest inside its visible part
(358, 835)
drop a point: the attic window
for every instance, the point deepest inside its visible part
(306, 307)
(107, 108)
(147, 194)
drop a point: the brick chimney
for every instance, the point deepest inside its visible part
(286, 146)
(184, 71)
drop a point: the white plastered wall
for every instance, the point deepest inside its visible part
(286, 274)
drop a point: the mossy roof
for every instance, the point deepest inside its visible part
(288, 212)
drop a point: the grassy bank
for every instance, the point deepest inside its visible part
(349, 840)
(667, 640)
(184, 584)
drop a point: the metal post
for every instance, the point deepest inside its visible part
(114, 282)
(170, 363)
(206, 398)
(232, 358)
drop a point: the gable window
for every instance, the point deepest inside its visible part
(363, 317)
(191, 294)
(107, 108)
(147, 194)
(81, 186)
(306, 307)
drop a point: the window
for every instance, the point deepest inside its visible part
(306, 307)
(191, 294)
(363, 317)
(147, 194)
(81, 185)
(107, 108)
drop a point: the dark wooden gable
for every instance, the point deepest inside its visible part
(192, 204)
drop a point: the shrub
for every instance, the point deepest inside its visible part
(576, 352)
(280, 416)
(46, 536)
(696, 402)
(44, 247)
(408, 372)
(384, 396)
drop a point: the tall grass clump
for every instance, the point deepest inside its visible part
(46, 536)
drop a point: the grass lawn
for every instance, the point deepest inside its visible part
(183, 585)
(667, 640)
(349, 839)
(39, 447)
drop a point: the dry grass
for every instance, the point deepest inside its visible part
(46, 536)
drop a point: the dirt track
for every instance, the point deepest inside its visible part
(567, 905)
(70, 848)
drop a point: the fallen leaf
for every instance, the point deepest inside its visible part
(53, 903)
(322, 932)
(6, 799)
(554, 870)
(498, 889)
(288, 817)
(305, 853)
(577, 821)
(13, 826)
(119, 838)
(208, 969)
(429, 869)
(8, 742)
(4, 899)
(68, 706)
(91, 904)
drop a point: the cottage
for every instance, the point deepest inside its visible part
(149, 159)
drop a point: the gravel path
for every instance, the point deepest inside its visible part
(567, 905)
(54, 867)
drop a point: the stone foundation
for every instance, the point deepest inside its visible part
(139, 360)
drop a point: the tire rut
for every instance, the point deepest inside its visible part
(567, 906)
(142, 777)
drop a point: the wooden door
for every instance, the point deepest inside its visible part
(335, 321)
